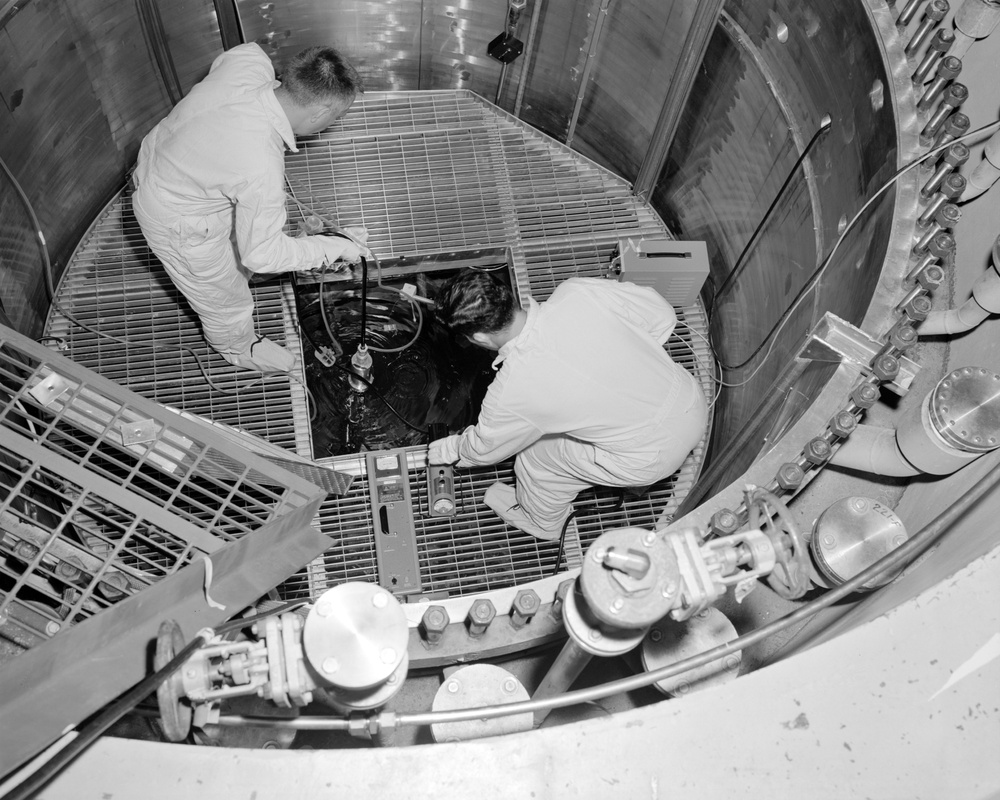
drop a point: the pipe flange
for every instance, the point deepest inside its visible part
(965, 409)
(624, 575)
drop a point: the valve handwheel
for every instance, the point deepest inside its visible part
(790, 577)
(175, 716)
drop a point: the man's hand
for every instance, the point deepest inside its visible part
(337, 247)
(443, 451)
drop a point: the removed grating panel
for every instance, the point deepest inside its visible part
(103, 493)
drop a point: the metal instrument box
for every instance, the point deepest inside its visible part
(677, 270)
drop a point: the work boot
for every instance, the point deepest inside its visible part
(263, 356)
(502, 499)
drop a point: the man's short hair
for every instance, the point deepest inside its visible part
(474, 302)
(319, 75)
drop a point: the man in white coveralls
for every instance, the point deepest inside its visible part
(585, 395)
(210, 195)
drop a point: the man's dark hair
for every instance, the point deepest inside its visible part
(318, 75)
(474, 302)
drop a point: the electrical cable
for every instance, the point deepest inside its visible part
(900, 558)
(28, 785)
(811, 282)
(577, 510)
(380, 396)
(827, 122)
(50, 288)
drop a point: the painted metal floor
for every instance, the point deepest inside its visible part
(425, 173)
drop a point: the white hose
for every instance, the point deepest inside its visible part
(954, 320)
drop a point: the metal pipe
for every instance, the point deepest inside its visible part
(875, 450)
(595, 39)
(706, 17)
(976, 19)
(529, 51)
(570, 662)
(987, 171)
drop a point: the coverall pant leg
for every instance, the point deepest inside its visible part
(204, 269)
(552, 471)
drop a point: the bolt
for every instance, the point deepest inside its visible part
(526, 605)
(454, 686)
(724, 522)
(898, 540)
(190, 673)
(683, 687)
(885, 367)
(829, 542)
(324, 609)
(844, 423)
(380, 600)
(655, 635)
(594, 635)
(790, 476)
(865, 395)
(270, 744)
(510, 686)
(480, 616)
(859, 504)
(388, 655)
(669, 589)
(433, 623)
(817, 451)
(598, 554)
(330, 665)
(52, 628)
(649, 539)
(732, 662)
(617, 605)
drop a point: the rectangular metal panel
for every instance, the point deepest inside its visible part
(392, 513)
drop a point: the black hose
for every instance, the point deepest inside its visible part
(90, 731)
(738, 265)
(364, 300)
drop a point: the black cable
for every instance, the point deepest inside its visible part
(93, 729)
(364, 301)
(50, 288)
(739, 264)
(595, 509)
(380, 396)
(814, 277)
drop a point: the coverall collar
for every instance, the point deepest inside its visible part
(522, 337)
(276, 114)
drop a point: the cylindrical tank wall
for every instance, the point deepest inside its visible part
(594, 72)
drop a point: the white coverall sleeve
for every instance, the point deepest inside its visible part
(260, 220)
(644, 307)
(498, 434)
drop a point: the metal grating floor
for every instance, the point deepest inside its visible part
(424, 172)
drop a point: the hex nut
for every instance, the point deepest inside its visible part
(525, 606)
(844, 423)
(724, 522)
(817, 451)
(564, 588)
(885, 367)
(865, 395)
(480, 616)
(433, 624)
(917, 308)
(790, 476)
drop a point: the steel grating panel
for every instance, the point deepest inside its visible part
(424, 172)
(103, 492)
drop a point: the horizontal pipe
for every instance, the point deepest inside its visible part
(873, 449)
(954, 320)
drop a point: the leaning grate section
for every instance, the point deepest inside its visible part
(103, 492)
(424, 172)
